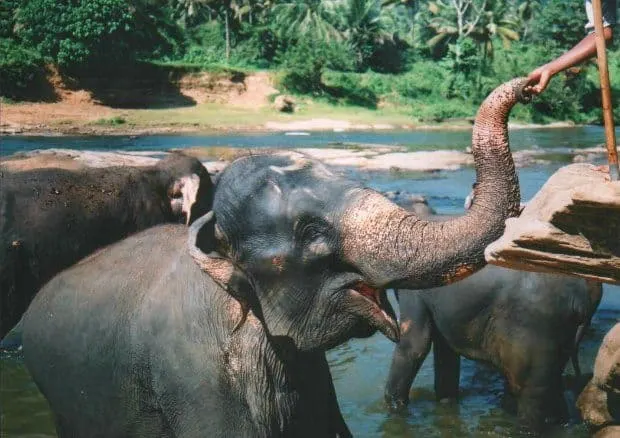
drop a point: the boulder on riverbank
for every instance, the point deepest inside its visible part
(284, 104)
(571, 226)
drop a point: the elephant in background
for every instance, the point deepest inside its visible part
(223, 330)
(599, 402)
(525, 324)
(52, 217)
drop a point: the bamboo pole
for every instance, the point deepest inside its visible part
(608, 116)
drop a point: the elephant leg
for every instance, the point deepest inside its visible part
(409, 353)
(541, 397)
(447, 368)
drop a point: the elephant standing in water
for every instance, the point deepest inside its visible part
(599, 402)
(525, 324)
(222, 331)
(51, 218)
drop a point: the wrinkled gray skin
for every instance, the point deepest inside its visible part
(224, 332)
(51, 218)
(599, 402)
(525, 324)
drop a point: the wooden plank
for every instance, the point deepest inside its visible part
(571, 226)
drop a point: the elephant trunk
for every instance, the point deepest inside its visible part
(394, 248)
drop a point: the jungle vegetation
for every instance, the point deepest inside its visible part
(439, 58)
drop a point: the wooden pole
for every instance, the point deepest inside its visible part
(608, 116)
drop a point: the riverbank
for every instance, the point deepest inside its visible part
(92, 119)
(207, 104)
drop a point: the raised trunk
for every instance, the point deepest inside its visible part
(394, 248)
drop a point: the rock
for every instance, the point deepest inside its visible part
(608, 432)
(284, 103)
(571, 226)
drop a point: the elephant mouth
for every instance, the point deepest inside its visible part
(372, 305)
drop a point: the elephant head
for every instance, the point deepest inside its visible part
(312, 253)
(188, 184)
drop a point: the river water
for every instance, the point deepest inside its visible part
(359, 366)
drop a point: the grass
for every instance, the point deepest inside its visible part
(112, 121)
(212, 115)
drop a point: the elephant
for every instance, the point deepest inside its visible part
(222, 330)
(599, 402)
(525, 324)
(50, 218)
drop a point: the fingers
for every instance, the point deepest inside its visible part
(545, 77)
(532, 79)
(538, 80)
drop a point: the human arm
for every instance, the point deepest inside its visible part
(582, 51)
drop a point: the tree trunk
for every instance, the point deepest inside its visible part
(227, 29)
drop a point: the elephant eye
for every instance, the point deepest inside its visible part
(312, 237)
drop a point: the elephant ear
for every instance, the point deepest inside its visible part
(202, 244)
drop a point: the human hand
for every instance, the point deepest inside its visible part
(539, 79)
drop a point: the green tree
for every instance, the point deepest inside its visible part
(90, 33)
(558, 25)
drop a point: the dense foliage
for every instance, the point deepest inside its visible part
(438, 57)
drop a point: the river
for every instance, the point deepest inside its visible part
(359, 366)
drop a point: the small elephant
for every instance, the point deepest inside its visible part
(599, 402)
(222, 331)
(525, 324)
(51, 217)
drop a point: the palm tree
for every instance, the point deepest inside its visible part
(365, 26)
(480, 20)
(498, 21)
(190, 10)
(313, 18)
(228, 10)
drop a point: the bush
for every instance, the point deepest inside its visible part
(7, 20)
(303, 65)
(423, 79)
(207, 44)
(348, 89)
(255, 47)
(440, 109)
(113, 121)
(22, 72)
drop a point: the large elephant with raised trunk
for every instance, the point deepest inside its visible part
(224, 332)
(50, 218)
